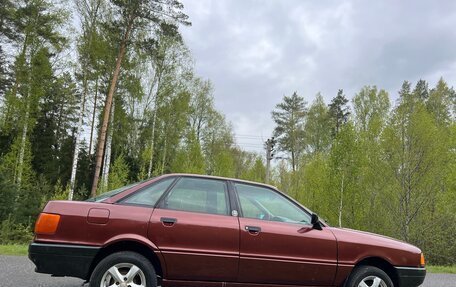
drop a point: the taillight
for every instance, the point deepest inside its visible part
(422, 261)
(47, 223)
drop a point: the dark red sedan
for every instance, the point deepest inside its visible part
(191, 230)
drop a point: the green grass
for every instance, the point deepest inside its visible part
(14, 249)
(441, 269)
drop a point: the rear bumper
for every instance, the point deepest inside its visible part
(63, 260)
(410, 276)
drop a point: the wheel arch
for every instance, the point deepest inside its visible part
(133, 245)
(380, 263)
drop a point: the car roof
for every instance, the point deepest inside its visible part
(218, 177)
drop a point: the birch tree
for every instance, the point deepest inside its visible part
(37, 28)
(89, 11)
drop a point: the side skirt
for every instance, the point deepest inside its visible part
(184, 283)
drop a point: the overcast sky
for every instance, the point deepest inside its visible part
(255, 52)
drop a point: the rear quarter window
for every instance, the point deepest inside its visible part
(150, 194)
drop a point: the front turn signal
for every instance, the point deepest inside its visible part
(47, 223)
(422, 261)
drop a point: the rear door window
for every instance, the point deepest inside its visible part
(198, 195)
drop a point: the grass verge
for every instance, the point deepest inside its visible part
(441, 269)
(14, 249)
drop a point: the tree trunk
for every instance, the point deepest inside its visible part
(27, 112)
(164, 157)
(107, 154)
(23, 142)
(93, 116)
(107, 111)
(157, 80)
(293, 162)
(74, 166)
(149, 169)
(341, 200)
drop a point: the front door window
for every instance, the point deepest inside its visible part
(266, 204)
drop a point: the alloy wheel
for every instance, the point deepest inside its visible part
(123, 275)
(372, 281)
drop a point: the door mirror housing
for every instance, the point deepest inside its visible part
(315, 221)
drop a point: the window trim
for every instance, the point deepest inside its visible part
(161, 201)
(123, 199)
(287, 197)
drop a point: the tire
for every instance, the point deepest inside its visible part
(370, 276)
(116, 268)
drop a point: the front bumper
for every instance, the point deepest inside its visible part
(63, 260)
(410, 276)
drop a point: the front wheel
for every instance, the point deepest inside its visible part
(124, 269)
(369, 276)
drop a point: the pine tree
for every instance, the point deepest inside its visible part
(134, 17)
(339, 111)
(289, 117)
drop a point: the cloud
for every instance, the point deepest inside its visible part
(255, 52)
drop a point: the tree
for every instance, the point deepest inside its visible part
(5, 74)
(217, 145)
(37, 35)
(89, 54)
(344, 164)
(189, 158)
(289, 117)
(414, 150)
(118, 177)
(371, 112)
(169, 60)
(55, 119)
(134, 17)
(339, 111)
(421, 91)
(371, 108)
(201, 104)
(8, 20)
(318, 127)
(439, 103)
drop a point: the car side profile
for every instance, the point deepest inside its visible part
(193, 230)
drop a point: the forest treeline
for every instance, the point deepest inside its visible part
(372, 164)
(107, 89)
(61, 61)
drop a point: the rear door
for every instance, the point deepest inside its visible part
(195, 232)
(278, 244)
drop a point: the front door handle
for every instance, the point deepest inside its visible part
(168, 221)
(253, 229)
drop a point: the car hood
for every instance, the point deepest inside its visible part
(356, 245)
(357, 236)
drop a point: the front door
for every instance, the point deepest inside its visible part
(278, 244)
(193, 229)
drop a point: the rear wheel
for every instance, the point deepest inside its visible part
(369, 276)
(124, 269)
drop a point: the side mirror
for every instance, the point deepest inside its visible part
(315, 222)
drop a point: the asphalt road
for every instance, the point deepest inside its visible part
(18, 271)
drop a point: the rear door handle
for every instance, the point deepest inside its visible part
(168, 221)
(253, 229)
